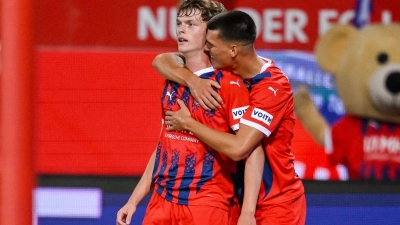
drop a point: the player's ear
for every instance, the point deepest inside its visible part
(234, 51)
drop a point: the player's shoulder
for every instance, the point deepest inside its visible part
(229, 78)
(269, 65)
(219, 74)
(267, 60)
(228, 75)
(274, 74)
(206, 73)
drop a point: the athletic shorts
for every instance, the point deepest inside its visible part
(290, 213)
(234, 212)
(162, 212)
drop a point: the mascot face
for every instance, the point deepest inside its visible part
(384, 82)
(366, 67)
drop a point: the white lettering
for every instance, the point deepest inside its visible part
(271, 25)
(382, 144)
(318, 100)
(386, 17)
(295, 22)
(274, 25)
(172, 136)
(156, 25)
(325, 17)
(335, 105)
(182, 138)
(262, 116)
(172, 22)
(328, 17)
(239, 112)
(306, 75)
(194, 140)
(346, 17)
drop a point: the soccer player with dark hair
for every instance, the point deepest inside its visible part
(192, 182)
(269, 118)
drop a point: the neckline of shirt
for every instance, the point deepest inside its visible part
(266, 64)
(205, 70)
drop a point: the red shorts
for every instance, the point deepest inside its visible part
(162, 212)
(234, 212)
(290, 213)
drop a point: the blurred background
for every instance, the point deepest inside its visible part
(96, 104)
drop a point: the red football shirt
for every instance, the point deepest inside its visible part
(271, 112)
(370, 149)
(186, 170)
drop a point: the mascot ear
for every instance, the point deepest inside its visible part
(330, 46)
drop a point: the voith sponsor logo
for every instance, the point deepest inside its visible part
(261, 115)
(237, 113)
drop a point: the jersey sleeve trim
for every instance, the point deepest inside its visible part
(235, 127)
(256, 125)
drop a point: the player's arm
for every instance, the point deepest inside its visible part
(236, 147)
(252, 181)
(124, 215)
(172, 67)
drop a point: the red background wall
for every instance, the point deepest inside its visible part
(97, 96)
(98, 113)
(117, 22)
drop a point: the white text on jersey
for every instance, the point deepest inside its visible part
(262, 116)
(237, 113)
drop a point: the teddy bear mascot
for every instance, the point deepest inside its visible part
(365, 65)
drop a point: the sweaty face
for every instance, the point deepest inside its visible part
(218, 51)
(190, 32)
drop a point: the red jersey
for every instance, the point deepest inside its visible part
(271, 112)
(186, 170)
(370, 149)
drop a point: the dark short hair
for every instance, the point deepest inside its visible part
(207, 8)
(234, 26)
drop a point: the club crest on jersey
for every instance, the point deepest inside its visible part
(262, 116)
(237, 113)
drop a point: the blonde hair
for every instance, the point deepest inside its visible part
(208, 8)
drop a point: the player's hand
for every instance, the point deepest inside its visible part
(124, 215)
(246, 219)
(203, 92)
(178, 119)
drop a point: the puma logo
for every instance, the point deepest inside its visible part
(237, 83)
(170, 94)
(270, 88)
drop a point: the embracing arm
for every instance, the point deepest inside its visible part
(172, 67)
(252, 181)
(143, 188)
(236, 147)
